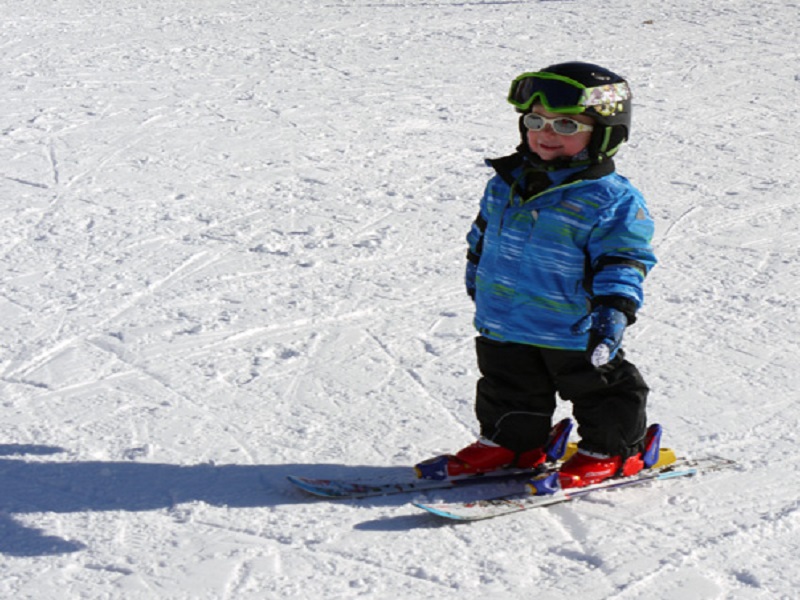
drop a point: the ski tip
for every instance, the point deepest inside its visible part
(303, 481)
(297, 481)
(315, 487)
(434, 510)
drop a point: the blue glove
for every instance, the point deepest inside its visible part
(472, 272)
(605, 326)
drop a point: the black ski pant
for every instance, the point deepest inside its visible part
(516, 397)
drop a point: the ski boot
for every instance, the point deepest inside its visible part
(587, 468)
(484, 456)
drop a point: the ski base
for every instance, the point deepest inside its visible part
(503, 505)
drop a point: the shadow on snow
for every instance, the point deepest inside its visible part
(41, 486)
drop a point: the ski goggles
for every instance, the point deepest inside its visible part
(561, 94)
(561, 125)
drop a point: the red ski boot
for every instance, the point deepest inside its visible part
(484, 456)
(587, 468)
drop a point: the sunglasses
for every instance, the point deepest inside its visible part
(561, 94)
(560, 125)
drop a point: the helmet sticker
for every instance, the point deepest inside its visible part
(606, 99)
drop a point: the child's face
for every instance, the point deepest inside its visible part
(550, 145)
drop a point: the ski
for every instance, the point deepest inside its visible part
(431, 474)
(404, 484)
(355, 488)
(477, 510)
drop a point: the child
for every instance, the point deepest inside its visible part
(557, 257)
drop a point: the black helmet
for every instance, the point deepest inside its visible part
(580, 88)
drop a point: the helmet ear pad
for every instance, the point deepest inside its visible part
(605, 141)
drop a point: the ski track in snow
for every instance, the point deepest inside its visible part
(232, 250)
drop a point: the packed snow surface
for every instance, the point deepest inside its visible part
(232, 250)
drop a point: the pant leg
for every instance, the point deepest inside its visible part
(515, 398)
(609, 402)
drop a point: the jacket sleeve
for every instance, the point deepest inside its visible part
(475, 248)
(621, 255)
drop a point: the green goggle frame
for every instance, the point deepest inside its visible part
(560, 94)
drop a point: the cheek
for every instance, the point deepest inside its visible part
(537, 137)
(574, 144)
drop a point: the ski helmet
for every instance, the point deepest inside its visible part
(579, 88)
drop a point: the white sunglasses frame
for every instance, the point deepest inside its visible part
(581, 127)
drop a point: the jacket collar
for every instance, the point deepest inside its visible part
(537, 176)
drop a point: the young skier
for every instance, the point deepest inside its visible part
(557, 257)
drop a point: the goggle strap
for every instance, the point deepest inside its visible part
(556, 76)
(606, 95)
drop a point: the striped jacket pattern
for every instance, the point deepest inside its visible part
(536, 263)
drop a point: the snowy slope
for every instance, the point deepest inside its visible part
(232, 249)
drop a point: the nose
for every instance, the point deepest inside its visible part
(548, 128)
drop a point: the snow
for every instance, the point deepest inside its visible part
(232, 250)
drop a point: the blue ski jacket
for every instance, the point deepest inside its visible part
(538, 263)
